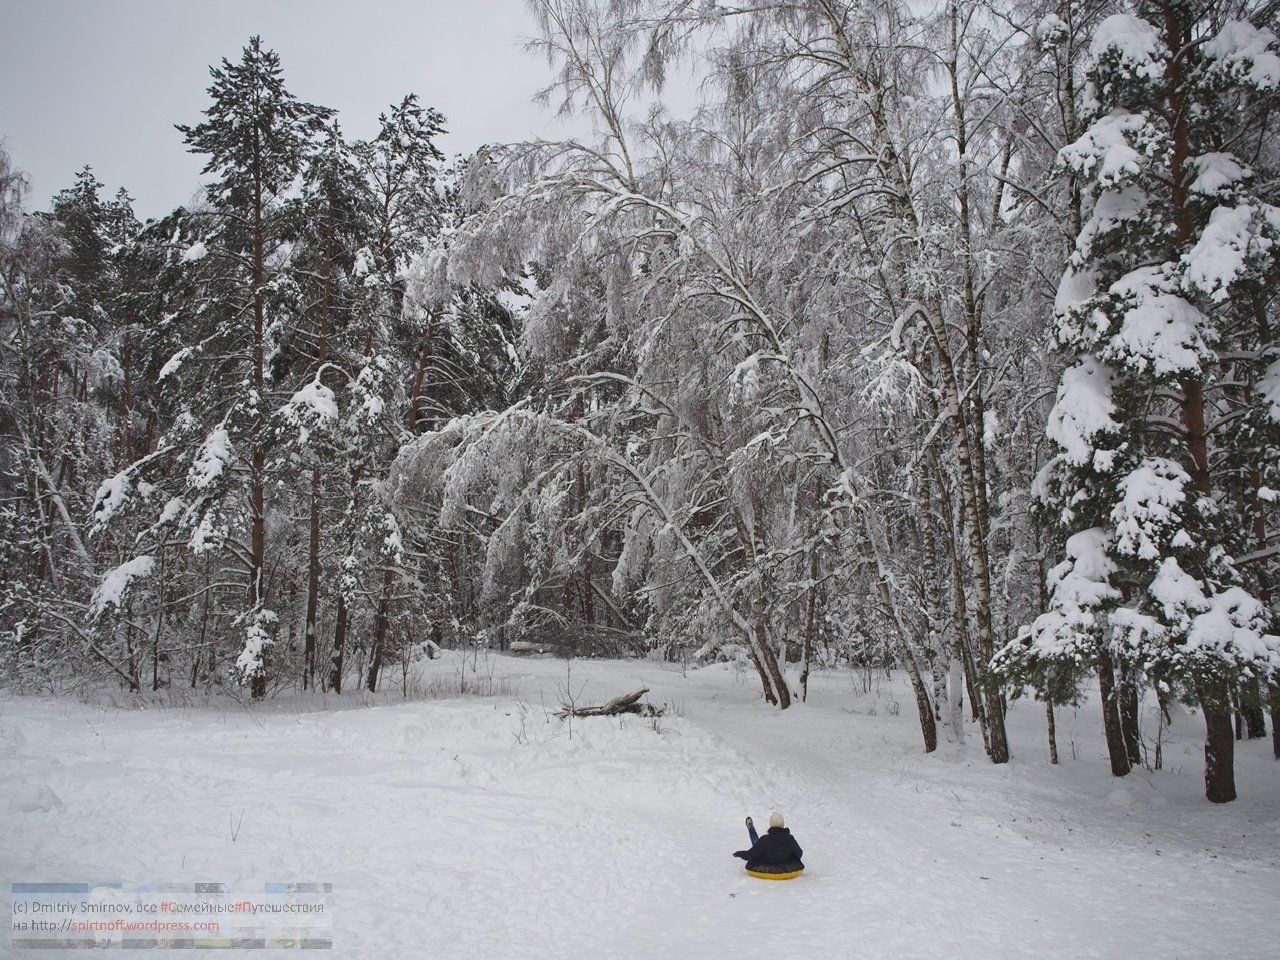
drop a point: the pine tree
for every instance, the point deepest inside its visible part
(1165, 422)
(333, 225)
(400, 174)
(231, 298)
(257, 136)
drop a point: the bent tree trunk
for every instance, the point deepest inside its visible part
(769, 695)
(899, 634)
(770, 672)
(775, 675)
(928, 725)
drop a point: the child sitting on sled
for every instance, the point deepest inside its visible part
(774, 854)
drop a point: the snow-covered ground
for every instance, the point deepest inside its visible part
(483, 827)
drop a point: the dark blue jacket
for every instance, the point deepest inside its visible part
(775, 848)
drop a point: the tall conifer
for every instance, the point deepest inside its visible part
(1165, 420)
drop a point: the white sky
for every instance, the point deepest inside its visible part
(102, 82)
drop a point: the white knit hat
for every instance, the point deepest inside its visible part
(775, 820)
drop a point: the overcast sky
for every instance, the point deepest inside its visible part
(102, 82)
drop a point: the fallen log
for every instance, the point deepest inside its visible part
(627, 703)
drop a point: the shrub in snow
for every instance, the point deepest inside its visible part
(251, 665)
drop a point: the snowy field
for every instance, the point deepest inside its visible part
(483, 827)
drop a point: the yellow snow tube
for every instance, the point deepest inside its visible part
(775, 876)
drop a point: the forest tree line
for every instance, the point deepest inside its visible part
(934, 339)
